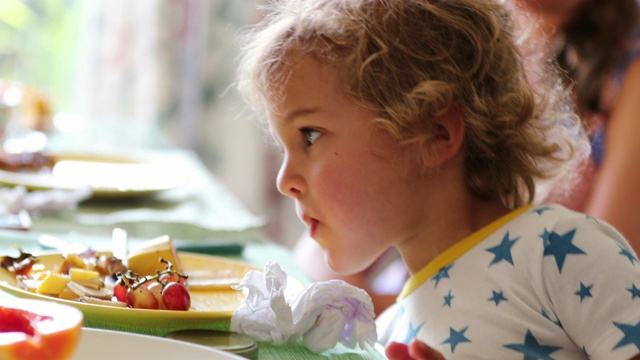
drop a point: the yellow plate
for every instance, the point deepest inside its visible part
(210, 309)
(108, 174)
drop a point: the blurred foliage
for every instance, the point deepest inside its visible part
(38, 44)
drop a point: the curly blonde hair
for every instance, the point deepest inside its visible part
(410, 61)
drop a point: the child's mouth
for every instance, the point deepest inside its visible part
(313, 225)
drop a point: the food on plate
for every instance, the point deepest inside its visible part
(80, 277)
(97, 277)
(165, 290)
(53, 284)
(25, 161)
(176, 297)
(143, 258)
(100, 278)
(18, 265)
(37, 329)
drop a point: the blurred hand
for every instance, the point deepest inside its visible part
(416, 350)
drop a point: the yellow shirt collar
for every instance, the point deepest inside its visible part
(457, 250)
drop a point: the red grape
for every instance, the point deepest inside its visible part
(169, 278)
(165, 290)
(120, 291)
(176, 297)
(141, 298)
(156, 289)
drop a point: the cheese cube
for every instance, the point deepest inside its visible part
(75, 261)
(53, 284)
(82, 275)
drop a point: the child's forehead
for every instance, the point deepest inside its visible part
(300, 67)
(314, 56)
(294, 60)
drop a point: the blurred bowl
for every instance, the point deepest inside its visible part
(38, 329)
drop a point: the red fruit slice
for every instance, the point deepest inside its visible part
(36, 329)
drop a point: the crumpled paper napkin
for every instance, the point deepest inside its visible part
(323, 314)
(17, 199)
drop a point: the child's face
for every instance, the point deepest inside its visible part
(355, 188)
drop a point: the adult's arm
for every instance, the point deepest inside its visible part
(615, 197)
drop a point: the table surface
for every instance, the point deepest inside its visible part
(235, 234)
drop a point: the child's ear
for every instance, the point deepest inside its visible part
(448, 138)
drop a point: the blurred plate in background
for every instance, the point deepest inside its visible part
(108, 175)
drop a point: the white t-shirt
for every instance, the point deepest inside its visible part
(542, 282)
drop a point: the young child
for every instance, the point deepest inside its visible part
(413, 124)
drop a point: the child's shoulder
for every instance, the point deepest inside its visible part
(557, 219)
(557, 215)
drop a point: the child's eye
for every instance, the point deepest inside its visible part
(310, 135)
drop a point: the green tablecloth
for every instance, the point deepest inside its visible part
(202, 210)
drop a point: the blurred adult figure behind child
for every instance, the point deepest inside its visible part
(597, 43)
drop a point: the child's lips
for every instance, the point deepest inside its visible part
(313, 225)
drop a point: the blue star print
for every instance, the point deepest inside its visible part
(532, 350)
(593, 264)
(455, 338)
(635, 292)
(497, 297)
(557, 322)
(442, 273)
(560, 246)
(503, 251)
(447, 299)
(412, 332)
(585, 291)
(631, 335)
(539, 211)
(628, 254)
(545, 237)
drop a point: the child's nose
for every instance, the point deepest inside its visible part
(290, 182)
